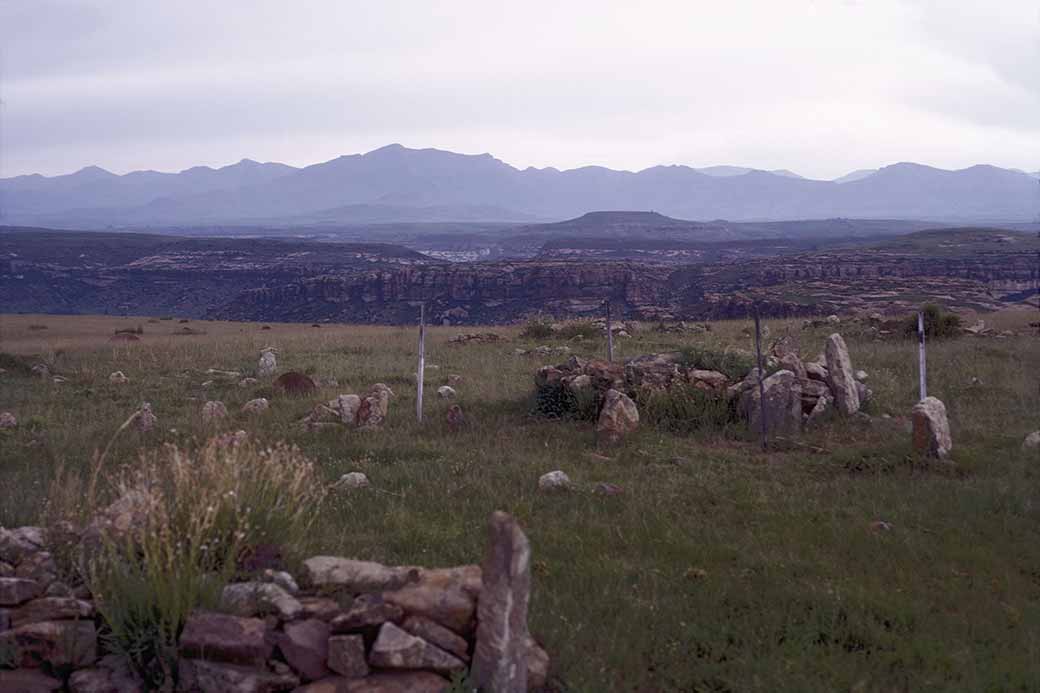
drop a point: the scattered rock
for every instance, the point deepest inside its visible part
(351, 480)
(118, 378)
(554, 481)
(213, 411)
(397, 649)
(347, 656)
(455, 418)
(247, 382)
(8, 420)
(931, 428)
(446, 392)
(375, 407)
(833, 319)
(840, 376)
(861, 376)
(256, 406)
(618, 418)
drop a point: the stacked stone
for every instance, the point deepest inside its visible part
(355, 627)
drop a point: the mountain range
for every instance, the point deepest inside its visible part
(395, 183)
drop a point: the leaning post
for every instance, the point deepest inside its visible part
(419, 375)
(922, 365)
(761, 386)
(610, 335)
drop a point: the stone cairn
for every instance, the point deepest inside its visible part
(797, 395)
(348, 626)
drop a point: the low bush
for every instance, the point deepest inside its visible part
(13, 363)
(197, 514)
(583, 329)
(938, 323)
(559, 402)
(537, 327)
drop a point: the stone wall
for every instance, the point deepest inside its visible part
(339, 626)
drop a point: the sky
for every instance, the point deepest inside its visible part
(816, 86)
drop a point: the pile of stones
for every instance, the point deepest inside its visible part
(348, 625)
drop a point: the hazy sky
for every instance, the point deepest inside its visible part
(821, 87)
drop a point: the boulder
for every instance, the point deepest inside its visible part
(268, 364)
(355, 576)
(447, 596)
(446, 392)
(547, 376)
(931, 428)
(15, 591)
(51, 609)
(347, 656)
(213, 411)
(305, 646)
(840, 376)
(783, 404)
(199, 675)
(790, 361)
(31, 681)
(225, 638)
(375, 407)
(59, 644)
(248, 599)
(346, 407)
(707, 380)
(256, 406)
(396, 649)
(617, 418)
(554, 481)
(367, 610)
(500, 654)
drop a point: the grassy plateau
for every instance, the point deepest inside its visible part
(837, 562)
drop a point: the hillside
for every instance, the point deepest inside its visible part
(394, 183)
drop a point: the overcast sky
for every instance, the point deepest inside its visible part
(820, 87)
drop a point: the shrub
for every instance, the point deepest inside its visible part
(938, 324)
(559, 402)
(585, 329)
(206, 509)
(538, 327)
(13, 363)
(733, 365)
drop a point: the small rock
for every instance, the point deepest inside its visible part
(397, 649)
(8, 420)
(282, 579)
(351, 480)
(880, 525)
(833, 319)
(861, 376)
(455, 418)
(247, 382)
(118, 378)
(256, 406)
(931, 428)
(145, 419)
(214, 410)
(1032, 441)
(554, 481)
(446, 392)
(347, 656)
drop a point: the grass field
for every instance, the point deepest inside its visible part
(719, 568)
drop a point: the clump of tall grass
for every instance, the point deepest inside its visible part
(537, 327)
(733, 365)
(194, 514)
(683, 408)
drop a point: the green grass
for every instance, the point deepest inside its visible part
(733, 570)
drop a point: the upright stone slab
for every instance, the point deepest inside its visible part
(931, 428)
(618, 417)
(500, 655)
(841, 376)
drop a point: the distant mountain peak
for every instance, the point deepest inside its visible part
(93, 172)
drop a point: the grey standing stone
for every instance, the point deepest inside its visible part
(500, 655)
(840, 376)
(931, 428)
